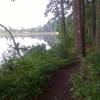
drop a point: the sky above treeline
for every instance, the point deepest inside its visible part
(23, 13)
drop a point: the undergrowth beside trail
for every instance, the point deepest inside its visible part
(86, 83)
(25, 77)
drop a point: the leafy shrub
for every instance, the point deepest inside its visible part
(24, 77)
(86, 83)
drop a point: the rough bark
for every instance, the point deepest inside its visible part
(93, 20)
(82, 15)
(79, 23)
(98, 26)
(63, 24)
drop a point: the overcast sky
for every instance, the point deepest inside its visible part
(22, 13)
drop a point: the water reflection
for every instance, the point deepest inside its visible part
(27, 41)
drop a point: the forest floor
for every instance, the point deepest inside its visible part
(59, 85)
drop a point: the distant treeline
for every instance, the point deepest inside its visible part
(49, 27)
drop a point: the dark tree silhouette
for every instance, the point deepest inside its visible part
(79, 23)
(15, 44)
(93, 20)
(98, 26)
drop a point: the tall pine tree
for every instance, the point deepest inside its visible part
(79, 23)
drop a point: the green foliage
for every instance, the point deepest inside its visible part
(25, 77)
(70, 32)
(65, 41)
(86, 84)
(89, 21)
(89, 38)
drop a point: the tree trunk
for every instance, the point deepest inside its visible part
(93, 20)
(63, 24)
(82, 15)
(79, 23)
(98, 26)
(87, 3)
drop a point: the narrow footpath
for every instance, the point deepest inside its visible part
(60, 84)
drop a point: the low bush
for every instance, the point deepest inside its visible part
(86, 84)
(25, 77)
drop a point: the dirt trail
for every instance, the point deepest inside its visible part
(59, 85)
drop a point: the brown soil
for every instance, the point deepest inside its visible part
(60, 84)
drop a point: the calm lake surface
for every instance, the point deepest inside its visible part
(26, 41)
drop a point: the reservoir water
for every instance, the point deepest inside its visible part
(26, 41)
